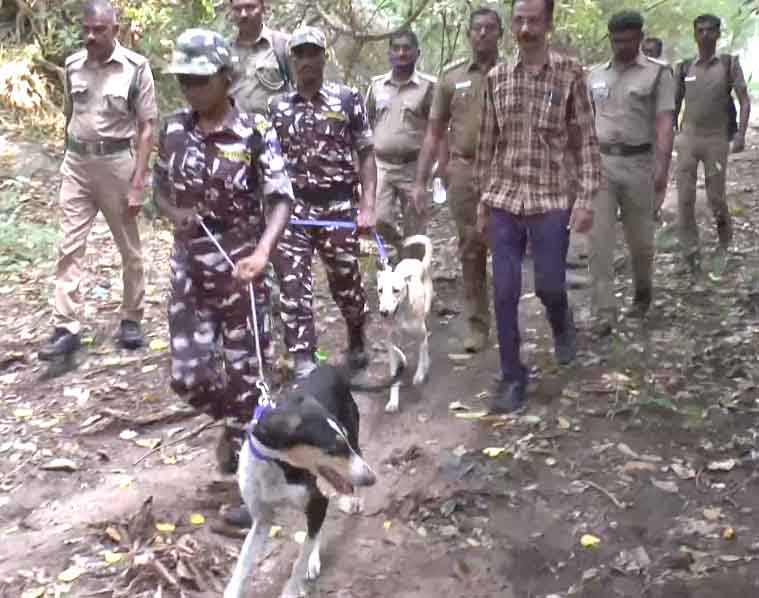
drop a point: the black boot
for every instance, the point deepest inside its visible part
(130, 335)
(61, 343)
(356, 357)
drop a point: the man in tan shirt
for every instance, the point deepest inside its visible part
(110, 116)
(706, 84)
(634, 100)
(457, 108)
(259, 58)
(398, 104)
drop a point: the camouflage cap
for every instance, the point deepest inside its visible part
(200, 52)
(308, 35)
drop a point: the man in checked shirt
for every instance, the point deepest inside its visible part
(536, 110)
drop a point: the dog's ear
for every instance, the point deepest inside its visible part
(277, 427)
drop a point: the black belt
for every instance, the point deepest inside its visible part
(399, 160)
(622, 149)
(103, 147)
(323, 197)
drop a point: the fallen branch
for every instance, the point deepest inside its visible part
(147, 420)
(195, 432)
(617, 503)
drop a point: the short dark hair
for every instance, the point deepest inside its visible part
(407, 33)
(485, 11)
(549, 4)
(626, 20)
(656, 41)
(709, 19)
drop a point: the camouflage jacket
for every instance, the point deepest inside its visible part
(319, 136)
(226, 175)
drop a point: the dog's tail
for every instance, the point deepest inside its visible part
(421, 240)
(388, 383)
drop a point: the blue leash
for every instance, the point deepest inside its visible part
(344, 224)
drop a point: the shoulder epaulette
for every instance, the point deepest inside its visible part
(455, 64)
(427, 77)
(379, 77)
(76, 57)
(657, 61)
(133, 56)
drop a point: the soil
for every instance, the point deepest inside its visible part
(645, 448)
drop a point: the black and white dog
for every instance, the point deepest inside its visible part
(312, 434)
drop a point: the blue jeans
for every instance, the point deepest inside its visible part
(549, 239)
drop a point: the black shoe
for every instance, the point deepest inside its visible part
(565, 344)
(130, 335)
(238, 517)
(62, 342)
(511, 397)
(356, 356)
(641, 303)
(724, 233)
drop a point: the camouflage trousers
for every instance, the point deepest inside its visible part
(214, 366)
(339, 250)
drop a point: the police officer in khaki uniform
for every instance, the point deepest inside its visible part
(261, 67)
(706, 84)
(398, 104)
(111, 113)
(634, 100)
(458, 104)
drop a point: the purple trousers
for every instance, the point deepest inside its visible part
(549, 241)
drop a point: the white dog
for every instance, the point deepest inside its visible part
(405, 300)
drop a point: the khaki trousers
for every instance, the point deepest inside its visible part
(712, 151)
(473, 252)
(91, 184)
(629, 184)
(396, 216)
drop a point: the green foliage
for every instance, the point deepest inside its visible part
(22, 243)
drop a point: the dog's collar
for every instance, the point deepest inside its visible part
(257, 415)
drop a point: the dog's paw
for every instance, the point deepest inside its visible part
(350, 505)
(314, 565)
(419, 378)
(392, 406)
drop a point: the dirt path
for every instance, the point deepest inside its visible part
(647, 444)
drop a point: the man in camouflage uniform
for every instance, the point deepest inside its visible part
(110, 107)
(259, 57)
(224, 166)
(458, 104)
(320, 126)
(398, 104)
(634, 99)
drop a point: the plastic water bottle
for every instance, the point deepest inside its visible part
(439, 194)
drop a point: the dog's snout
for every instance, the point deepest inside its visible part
(361, 474)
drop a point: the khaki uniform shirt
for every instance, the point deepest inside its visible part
(399, 113)
(627, 100)
(706, 94)
(99, 95)
(458, 100)
(257, 76)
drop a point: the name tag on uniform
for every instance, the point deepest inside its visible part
(690, 78)
(463, 84)
(599, 91)
(235, 155)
